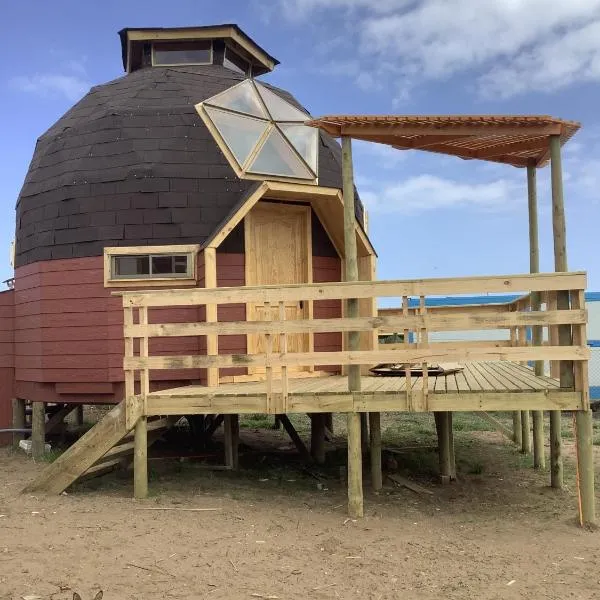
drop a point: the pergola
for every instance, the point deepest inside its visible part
(524, 141)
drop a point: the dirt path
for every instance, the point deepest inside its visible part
(500, 534)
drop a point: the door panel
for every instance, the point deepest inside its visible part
(277, 252)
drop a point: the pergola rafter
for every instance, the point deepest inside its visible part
(520, 140)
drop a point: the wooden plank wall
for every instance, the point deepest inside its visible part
(325, 269)
(69, 331)
(7, 371)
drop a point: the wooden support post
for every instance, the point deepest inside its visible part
(375, 450)
(79, 415)
(329, 422)
(539, 460)
(559, 231)
(212, 340)
(585, 466)
(140, 459)
(525, 432)
(355, 490)
(443, 434)
(451, 446)
(18, 420)
(231, 441)
(317, 437)
(38, 430)
(364, 431)
(517, 431)
(355, 486)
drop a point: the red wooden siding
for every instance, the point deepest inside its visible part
(327, 268)
(69, 329)
(7, 371)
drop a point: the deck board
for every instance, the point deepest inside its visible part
(476, 377)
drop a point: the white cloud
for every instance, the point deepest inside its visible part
(71, 81)
(513, 46)
(430, 192)
(72, 87)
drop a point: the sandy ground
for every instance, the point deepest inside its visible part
(497, 534)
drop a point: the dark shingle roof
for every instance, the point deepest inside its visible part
(133, 164)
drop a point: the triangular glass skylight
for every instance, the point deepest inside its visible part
(277, 158)
(280, 109)
(241, 132)
(305, 140)
(263, 132)
(241, 98)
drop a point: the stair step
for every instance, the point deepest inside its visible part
(102, 467)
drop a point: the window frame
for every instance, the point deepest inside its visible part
(180, 64)
(190, 278)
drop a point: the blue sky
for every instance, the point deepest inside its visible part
(429, 215)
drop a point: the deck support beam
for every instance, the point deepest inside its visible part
(355, 488)
(38, 430)
(212, 340)
(539, 459)
(140, 459)
(375, 450)
(18, 420)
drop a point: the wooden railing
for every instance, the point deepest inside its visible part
(515, 316)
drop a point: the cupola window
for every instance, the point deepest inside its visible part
(261, 134)
(197, 52)
(236, 63)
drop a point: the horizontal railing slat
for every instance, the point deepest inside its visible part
(343, 290)
(430, 354)
(456, 322)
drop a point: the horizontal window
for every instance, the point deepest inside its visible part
(182, 53)
(138, 264)
(151, 265)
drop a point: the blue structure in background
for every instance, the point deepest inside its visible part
(593, 324)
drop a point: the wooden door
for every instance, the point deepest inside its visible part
(278, 251)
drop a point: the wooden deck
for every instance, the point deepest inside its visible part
(486, 386)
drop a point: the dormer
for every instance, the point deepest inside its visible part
(225, 45)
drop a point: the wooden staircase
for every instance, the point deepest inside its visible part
(107, 446)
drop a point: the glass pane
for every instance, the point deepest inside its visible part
(241, 97)
(280, 109)
(235, 63)
(277, 158)
(181, 264)
(131, 266)
(182, 53)
(305, 140)
(240, 133)
(162, 265)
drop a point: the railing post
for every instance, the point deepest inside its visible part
(583, 424)
(212, 339)
(355, 491)
(407, 372)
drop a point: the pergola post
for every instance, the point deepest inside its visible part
(562, 301)
(355, 489)
(539, 460)
(583, 418)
